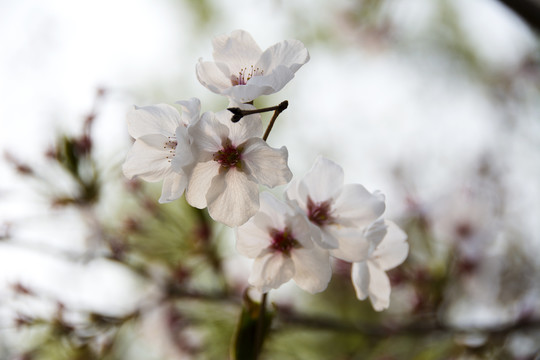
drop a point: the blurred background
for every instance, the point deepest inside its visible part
(434, 102)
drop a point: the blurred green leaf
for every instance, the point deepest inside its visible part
(251, 330)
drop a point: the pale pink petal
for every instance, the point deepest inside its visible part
(358, 207)
(154, 119)
(252, 239)
(238, 50)
(323, 182)
(214, 76)
(232, 198)
(191, 110)
(393, 249)
(360, 279)
(267, 165)
(270, 271)
(312, 269)
(248, 127)
(379, 287)
(290, 53)
(147, 159)
(174, 185)
(201, 177)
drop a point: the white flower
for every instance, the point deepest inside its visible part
(278, 238)
(338, 213)
(243, 72)
(388, 249)
(162, 145)
(231, 160)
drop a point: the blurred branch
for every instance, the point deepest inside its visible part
(419, 328)
(528, 10)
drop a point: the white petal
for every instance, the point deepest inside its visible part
(393, 249)
(376, 232)
(275, 209)
(154, 119)
(173, 187)
(272, 82)
(312, 269)
(232, 198)
(248, 127)
(183, 154)
(353, 247)
(254, 236)
(327, 239)
(292, 194)
(147, 159)
(317, 236)
(379, 287)
(215, 77)
(191, 110)
(248, 92)
(360, 279)
(267, 165)
(208, 134)
(251, 238)
(300, 229)
(270, 271)
(290, 53)
(356, 206)
(199, 183)
(237, 50)
(323, 182)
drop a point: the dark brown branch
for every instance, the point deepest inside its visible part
(528, 10)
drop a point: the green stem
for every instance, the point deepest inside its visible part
(259, 335)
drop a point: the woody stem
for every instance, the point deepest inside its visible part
(240, 113)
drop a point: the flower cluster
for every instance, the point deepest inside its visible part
(219, 160)
(322, 218)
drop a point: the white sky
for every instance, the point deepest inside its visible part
(368, 111)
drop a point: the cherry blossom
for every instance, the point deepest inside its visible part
(338, 213)
(388, 248)
(279, 239)
(162, 145)
(243, 72)
(231, 160)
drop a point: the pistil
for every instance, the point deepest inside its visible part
(319, 213)
(229, 156)
(283, 241)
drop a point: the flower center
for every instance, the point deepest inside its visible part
(245, 74)
(283, 241)
(170, 146)
(319, 213)
(229, 156)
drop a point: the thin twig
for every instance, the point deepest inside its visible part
(240, 113)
